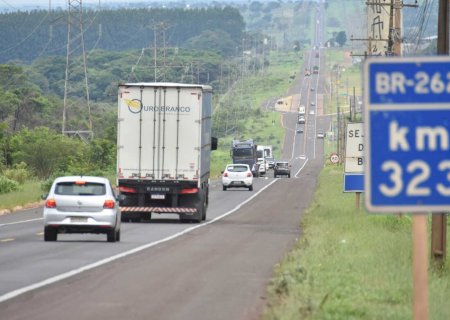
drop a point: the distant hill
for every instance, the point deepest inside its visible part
(29, 35)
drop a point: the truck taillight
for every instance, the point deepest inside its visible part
(50, 203)
(127, 190)
(189, 191)
(109, 204)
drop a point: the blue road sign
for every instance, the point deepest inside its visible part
(407, 140)
(353, 182)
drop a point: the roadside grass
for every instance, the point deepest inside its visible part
(349, 264)
(30, 192)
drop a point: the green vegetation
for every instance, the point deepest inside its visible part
(115, 30)
(29, 192)
(350, 265)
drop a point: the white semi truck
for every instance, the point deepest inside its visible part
(163, 149)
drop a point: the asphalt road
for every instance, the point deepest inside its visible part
(163, 269)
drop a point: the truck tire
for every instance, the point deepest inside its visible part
(198, 202)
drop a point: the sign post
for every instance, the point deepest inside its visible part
(407, 142)
(354, 160)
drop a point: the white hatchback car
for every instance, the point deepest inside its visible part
(237, 176)
(81, 204)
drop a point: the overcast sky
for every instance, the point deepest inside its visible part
(16, 4)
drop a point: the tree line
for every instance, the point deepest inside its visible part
(27, 36)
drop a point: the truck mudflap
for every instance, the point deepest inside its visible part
(159, 210)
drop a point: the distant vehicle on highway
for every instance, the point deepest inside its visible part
(301, 110)
(282, 168)
(301, 119)
(311, 112)
(320, 135)
(299, 130)
(81, 204)
(237, 176)
(270, 162)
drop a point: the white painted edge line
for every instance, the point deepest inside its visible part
(18, 222)
(304, 164)
(71, 273)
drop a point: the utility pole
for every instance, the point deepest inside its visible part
(393, 40)
(439, 220)
(74, 100)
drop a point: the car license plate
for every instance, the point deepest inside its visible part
(158, 196)
(78, 219)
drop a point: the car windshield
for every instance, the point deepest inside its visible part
(76, 188)
(237, 168)
(282, 164)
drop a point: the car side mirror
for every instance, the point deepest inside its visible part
(44, 196)
(121, 197)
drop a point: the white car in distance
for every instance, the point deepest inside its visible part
(237, 176)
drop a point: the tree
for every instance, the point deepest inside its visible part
(45, 151)
(341, 38)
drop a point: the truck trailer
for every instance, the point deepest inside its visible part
(163, 149)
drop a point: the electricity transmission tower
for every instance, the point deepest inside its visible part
(77, 119)
(159, 51)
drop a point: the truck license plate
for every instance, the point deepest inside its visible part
(158, 196)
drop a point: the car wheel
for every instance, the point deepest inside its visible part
(224, 188)
(250, 188)
(111, 236)
(50, 234)
(289, 175)
(118, 235)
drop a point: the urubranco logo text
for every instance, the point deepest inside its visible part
(166, 109)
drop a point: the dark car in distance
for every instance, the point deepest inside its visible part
(282, 168)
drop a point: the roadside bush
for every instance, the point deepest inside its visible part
(18, 173)
(8, 185)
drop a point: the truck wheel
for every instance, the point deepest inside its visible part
(224, 188)
(50, 234)
(201, 210)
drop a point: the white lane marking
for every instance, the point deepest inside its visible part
(304, 164)
(18, 222)
(71, 273)
(7, 240)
